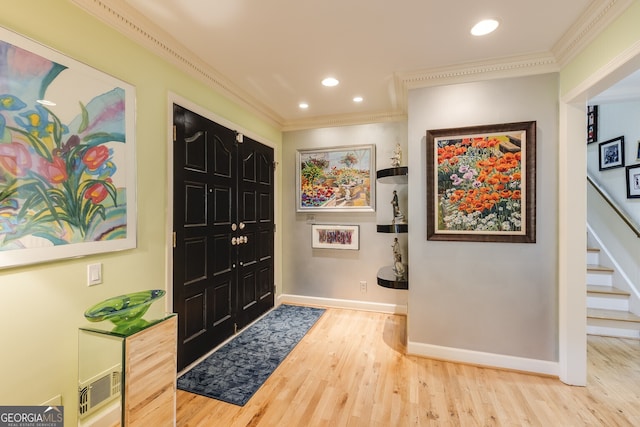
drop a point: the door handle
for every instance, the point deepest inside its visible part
(234, 241)
(242, 226)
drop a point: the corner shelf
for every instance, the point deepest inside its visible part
(396, 175)
(392, 228)
(388, 279)
(386, 276)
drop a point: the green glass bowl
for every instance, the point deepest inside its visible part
(124, 309)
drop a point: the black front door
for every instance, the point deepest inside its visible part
(223, 268)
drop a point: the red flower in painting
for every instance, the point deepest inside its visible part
(15, 158)
(56, 171)
(95, 157)
(97, 192)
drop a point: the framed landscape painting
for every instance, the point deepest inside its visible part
(339, 179)
(67, 156)
(481, 183)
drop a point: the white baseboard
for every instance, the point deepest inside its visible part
(343, 303)
(490, 360)
(105, 417)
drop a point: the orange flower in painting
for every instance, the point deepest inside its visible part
(516, 194)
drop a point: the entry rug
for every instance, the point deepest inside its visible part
(236, 371)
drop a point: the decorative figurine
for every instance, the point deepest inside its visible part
(398, 267)
(397, 156)
(398, 216)
(396, 249)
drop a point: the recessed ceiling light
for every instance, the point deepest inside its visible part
(357, 99)
(485, 27)
(303, 105)
(330, 81)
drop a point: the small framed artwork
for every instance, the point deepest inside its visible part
(638, 152)
(481, 183)
(592, 123)
(328, 236)
(611, 153)
(339, 179)
(633, 182)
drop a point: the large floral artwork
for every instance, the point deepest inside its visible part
(336, 179)
(66, 157)
(481, 183)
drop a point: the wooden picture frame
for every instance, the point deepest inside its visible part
(611, 153)
(328, 236)
(633, 181)
(67, 157)
(338, 179)
(481, 183)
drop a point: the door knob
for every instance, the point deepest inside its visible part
(234, 241)
(242, 226)
(234, 227)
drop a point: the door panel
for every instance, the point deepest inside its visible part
(222, 190)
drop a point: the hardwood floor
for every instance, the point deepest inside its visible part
(351, 370)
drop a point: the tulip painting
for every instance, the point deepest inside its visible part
(483, 183)
(64, 148)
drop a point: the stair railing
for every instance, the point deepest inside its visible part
(617, 209)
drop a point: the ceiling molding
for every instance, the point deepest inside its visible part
(138, 28)
(592, 22)
(344, 120)
(135, 26)
(462, 73)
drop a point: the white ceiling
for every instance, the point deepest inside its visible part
(273, 54)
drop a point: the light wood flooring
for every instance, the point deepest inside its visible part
(351, 370)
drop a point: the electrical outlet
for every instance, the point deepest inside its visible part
(94, 274)
(363, 286)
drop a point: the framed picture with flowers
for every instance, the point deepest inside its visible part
(338, 179)
(67, 156)
(481, 183)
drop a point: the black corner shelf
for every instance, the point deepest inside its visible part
(393, 175)
(388, 279)
(392, 228)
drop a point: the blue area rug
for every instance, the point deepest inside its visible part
(236, 371)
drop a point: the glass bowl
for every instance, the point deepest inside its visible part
(124, 309)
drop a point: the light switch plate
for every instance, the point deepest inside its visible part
(94, 274)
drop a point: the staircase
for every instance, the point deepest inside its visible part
(607, 306)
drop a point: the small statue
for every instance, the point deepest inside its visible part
(396, 250)
(398, 267)
(397, 156)
(398, 217)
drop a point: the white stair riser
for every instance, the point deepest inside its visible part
(601, 279)
(612, 328)
(593, 258)
(610, 302)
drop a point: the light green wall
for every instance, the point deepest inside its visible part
(613, 41)
(41, 306)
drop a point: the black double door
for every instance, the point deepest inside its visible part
(223, 268)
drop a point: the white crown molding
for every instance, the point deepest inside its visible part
(135, 26)
(344, 120)
(592, 22)
(138, 28)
